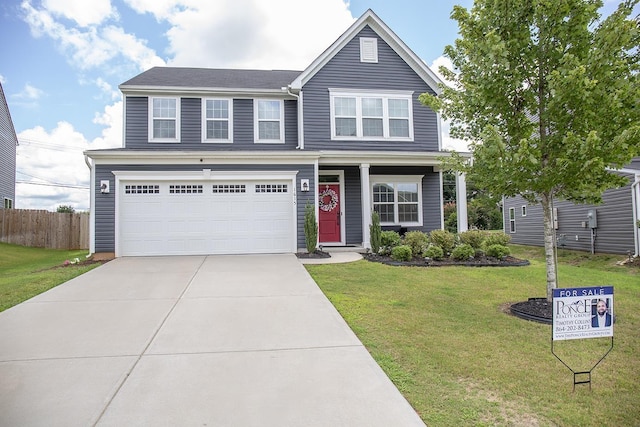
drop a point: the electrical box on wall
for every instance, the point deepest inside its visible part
(592, 218)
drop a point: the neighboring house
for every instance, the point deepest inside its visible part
(611, 227)
(8, 144)
(219, 161)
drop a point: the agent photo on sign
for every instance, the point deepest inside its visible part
(602, 317)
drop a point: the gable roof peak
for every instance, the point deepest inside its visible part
(370, 18)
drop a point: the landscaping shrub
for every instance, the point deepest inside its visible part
(389, 240)
(401, 253)
(375, 232)
(445, 239)
(463, 252)
(497, 239)
(417, 240)
(498, 251)
(310, 227)
(434, 252)
(473, 238)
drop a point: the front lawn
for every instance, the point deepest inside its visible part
(442, 336)
(26, 272)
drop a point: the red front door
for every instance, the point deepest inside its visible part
(329, 216)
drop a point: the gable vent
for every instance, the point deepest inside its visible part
(368, 49)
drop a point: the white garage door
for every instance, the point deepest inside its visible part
(197, 218)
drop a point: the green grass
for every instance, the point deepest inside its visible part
(442, 337)
(26, 272)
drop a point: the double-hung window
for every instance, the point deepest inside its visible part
(164, 119)
(269, 121)
(398, 199)
(371, 116)
(512, 220)
(217, 116)
(8, 203)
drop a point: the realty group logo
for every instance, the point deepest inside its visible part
(582, 313)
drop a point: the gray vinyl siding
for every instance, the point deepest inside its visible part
(615, 223)
(8, 143)
(137, 127)
(105, 203)
(346, 71)
(353, 205)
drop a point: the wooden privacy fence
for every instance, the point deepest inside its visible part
(44, 229)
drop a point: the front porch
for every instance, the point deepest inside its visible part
(406, 191)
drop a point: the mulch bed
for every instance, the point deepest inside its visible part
(484, 261)
(535, 309)
(313, 255)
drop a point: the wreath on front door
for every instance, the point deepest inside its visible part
(328, 200)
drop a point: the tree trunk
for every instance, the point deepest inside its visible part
(549, 244)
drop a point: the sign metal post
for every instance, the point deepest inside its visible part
(580, 313)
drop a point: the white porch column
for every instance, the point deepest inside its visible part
(366, 205)
(461, 202)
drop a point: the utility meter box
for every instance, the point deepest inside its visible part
(592, 218)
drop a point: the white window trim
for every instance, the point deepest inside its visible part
(204, 122)
(512, 220)
(523, 210)
(374, 46)
(358, 95)
(177, 119)
(256, 129)
(399, 179)
(8, 201)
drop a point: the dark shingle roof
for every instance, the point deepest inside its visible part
(213, 78)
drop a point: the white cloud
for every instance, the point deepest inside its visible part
(449, 143)
(91, 47)
(107, 89)
(30, 93)
(441, 61)
(83, 12)
(248, 33)
(56, 157)
(3, 80)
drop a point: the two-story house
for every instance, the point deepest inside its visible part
(8, 144)
(219, 161)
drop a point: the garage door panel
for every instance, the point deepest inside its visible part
(211, 218)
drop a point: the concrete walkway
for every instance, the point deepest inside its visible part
(190, 341)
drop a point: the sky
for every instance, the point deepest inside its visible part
(63, 60)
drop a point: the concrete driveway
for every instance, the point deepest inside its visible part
(190, 341)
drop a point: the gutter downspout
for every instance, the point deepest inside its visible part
(92, 204)
(298, 97)
(635, 200)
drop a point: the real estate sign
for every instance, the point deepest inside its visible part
(582, 313)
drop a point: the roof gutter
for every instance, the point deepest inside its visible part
(298, 97)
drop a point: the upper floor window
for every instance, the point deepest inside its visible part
(8, 203)
(164, 119)
(371, 116)
(269, 120)
(217, 125)
(512, 220)
(368, 49)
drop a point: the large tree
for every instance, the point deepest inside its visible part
(547, 93)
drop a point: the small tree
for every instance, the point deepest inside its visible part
(310, 228)
(65, 209)
(375, 231)
(547, 94)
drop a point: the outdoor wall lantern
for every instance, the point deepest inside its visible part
(104, 186)
(304, 185)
